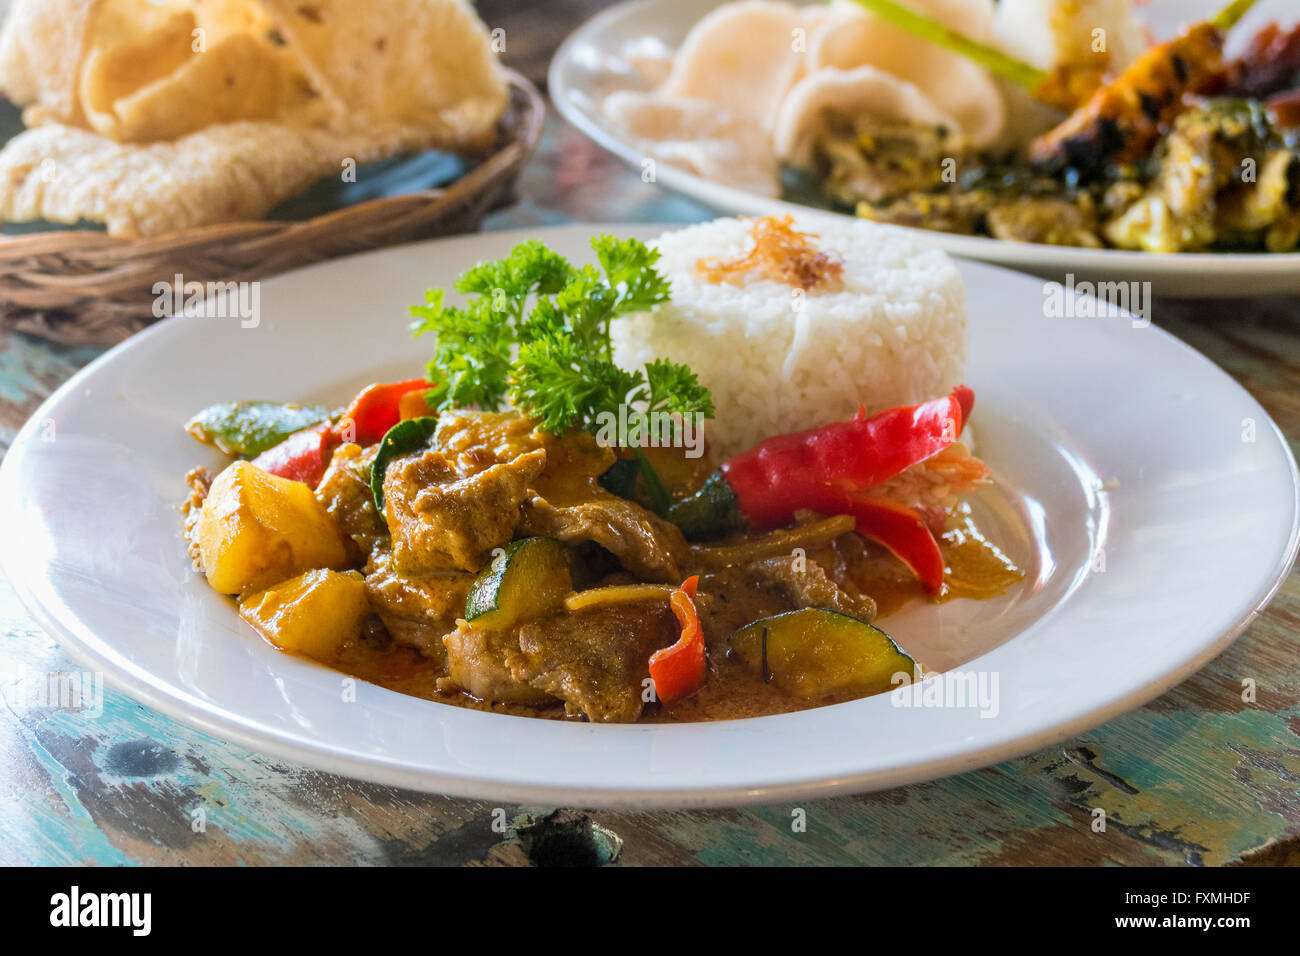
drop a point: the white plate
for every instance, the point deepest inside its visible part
(586, 68)
(1107, 436)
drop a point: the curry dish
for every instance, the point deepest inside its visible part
(500, 560)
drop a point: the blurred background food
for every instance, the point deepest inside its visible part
(155, 117)
(1058, 122)
(226, 140)
(230, 139)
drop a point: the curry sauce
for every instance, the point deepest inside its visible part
(977, 569)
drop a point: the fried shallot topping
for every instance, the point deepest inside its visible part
(782, 253)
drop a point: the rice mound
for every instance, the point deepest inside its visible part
(776, 362)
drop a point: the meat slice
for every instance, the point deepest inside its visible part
(645, 544)
(474, 440)
(806, 584)
(344, 491)
(443, 520)
(416, 611)
(596, 659)
(478, 662)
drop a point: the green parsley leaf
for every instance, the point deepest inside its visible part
(673, 387)
(630, 266)
(537, 330)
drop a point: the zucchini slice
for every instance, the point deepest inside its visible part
(710, 513)
(406, 436)
(529, 579)
(814, 652)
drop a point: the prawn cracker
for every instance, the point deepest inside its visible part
(224, 173)
(402, 63)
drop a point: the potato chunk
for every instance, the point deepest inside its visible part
(313, 614)
(257, 529)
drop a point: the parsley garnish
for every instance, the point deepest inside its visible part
(537, 330)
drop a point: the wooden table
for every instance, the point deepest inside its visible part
(1196, 777)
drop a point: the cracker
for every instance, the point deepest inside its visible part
(241, 77)
(41, 48)
(223, 173)
(851, 38)
(152, 117)
(400, 63)
(698, 136)
(744, 57)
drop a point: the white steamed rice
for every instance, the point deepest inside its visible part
(895, 334)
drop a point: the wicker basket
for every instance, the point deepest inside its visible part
(88, 288)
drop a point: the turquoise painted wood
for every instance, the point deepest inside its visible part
(1197, 777)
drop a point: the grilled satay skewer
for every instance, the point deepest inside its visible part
(1126, 117)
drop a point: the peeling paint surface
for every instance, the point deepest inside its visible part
(1180, 783)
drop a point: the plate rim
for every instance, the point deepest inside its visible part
(180, 706)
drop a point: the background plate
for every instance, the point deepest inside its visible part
(585, 69)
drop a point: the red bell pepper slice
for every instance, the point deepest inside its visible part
(376, 410)
(899, 528)
(774, 478)
(678, 671)
(303, 456)
(965, 396)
